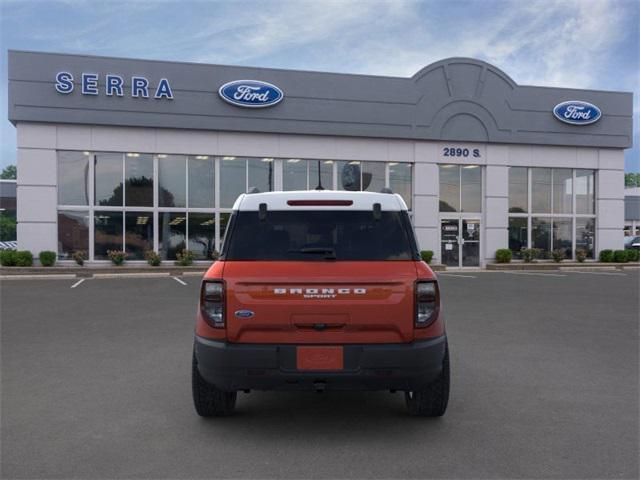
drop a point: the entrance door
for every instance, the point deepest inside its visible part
(460, 242)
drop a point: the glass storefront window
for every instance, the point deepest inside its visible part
(518, 190)
(471, 192)
(449, 188)
(73, 233)
(541, 235)
(517, 235)
(260, 174)
(172, 234)
(586, 234)
(541, 190)
(201, 182)
(202, 234)
(73, 178)
(585, 192)
(349, 176)
(233, 180)
(400, 178)
(172, 186)
(108, 179)
(562, 190)
(294, 174)
(373, 176)
(224, 221)
(138, 237)
(326, 174)
(138, 170)
(562, 235)
(107, 234)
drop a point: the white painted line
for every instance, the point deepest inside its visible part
(537, 274)
(179, 281)
(131, 275)
(78, 283)
(54, 276)
(193, 274)
(455, 275)
(599, 273)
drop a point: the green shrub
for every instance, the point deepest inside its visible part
(47, 258)
(530, 254)
(153, 258)
(581, 254)
(185, 258)
(24, 258)
(8, 258)
(620, 256)
(633, 255)
(214, 255)
(79, 256)
(117, 257)
(426, 255)
(503, 255)
(558, 255)
(606, 255)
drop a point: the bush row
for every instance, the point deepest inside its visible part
(620, 256)
(504, 255)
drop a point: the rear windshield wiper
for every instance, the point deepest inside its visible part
(329, 252)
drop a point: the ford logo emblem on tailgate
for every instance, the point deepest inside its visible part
(244, 313)
(577, 112)
(250, 93)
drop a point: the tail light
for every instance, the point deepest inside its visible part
(427, 303)
(212, 302)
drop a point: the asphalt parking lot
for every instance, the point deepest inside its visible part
(96, 384)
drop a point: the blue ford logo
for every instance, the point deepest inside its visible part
(250, 93)
(244, 313)
(576, 112)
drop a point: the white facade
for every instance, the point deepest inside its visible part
(37, 173)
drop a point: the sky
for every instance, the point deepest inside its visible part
(567, 43)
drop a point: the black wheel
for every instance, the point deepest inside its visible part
(432, 400)
(209, 400)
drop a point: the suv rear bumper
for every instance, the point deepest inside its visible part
(403, 366)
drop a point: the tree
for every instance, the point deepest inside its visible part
(9, 172)
(632, 180)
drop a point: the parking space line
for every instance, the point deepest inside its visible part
(179, 281)
(538, 274)
(599, 273)
(78, 283)
(455, 275)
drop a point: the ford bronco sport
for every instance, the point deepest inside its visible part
(320, 290)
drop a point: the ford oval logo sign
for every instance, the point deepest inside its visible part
(243, 313)
(577, 112)
(250, 93)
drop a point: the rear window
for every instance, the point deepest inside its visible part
(319, 235)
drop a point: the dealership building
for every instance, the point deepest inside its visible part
(141, 155)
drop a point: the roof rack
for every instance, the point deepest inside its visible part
(386, 190)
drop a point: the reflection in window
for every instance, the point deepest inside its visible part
(586, 234)
(202, 234)
(73, 233)
(171, 179)
(108, 233)
(261, 174)
(172, 234)
(373, 176)
(224, 221)
(518, 190)
(349, 176)
(517, 235)
(449, 188)
(562, 190)
(73, 178)
(233, 180)
(562, 235)
(541, 190)
(585, 192)
(138, 236)
(326, 174)
(108, 179)
(138, 169)
(541, 235)
(294, 174)
(201, 182)
(400, 180)
(471, 188)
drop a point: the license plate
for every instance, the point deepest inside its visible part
(320, 358)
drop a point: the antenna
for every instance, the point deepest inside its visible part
(319, 187)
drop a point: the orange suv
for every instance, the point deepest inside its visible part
(320, 290)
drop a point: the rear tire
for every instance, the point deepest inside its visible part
(432, 400)
(209, 400)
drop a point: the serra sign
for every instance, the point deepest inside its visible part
(113, 85)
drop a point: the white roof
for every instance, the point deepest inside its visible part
(361, 200)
